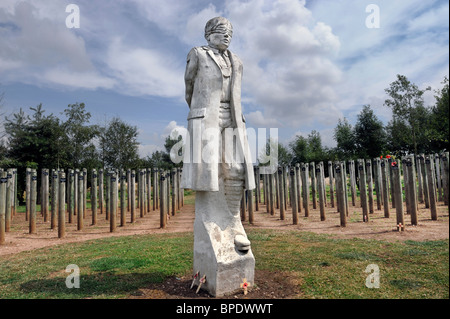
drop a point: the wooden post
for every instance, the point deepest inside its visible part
(168, 193)
(70, 194)
(251, 217)
(369, 184)
(11, 192)
(162, 213)
(46, 190)
(80, 212)
(258, 187)
(128, 189)
(331, 181)
(320, 186)
(28, 193)
(405, 169)
(182, 190)
(154, 182)
(437, 166)
(44, 193)
(351, 169)
(101, 197)
(385, 186)
(445, 176)
(62, 205)
(3, 182)
(298, 186)
(54, 211)
(94, 196)
(281, 195)
(419, 179)
(141, 192)
(412, 190)
(266, 191)
(179, 188)
(272, 193)
(305, 187)
(157, 187)
(312, 171)
(392, 182)
(144, 190)
(243, 210)
(277, 190)
(293, 191)
(363, 190)
(148, 188)
(15, 199)
(285, 184)
(133, 195)
(123, 202)
(431, 186)
(85, 190)
(396, 178)
(378, 182)
(340, 191)
(33, 196)
(174, 191)
(324, 187)
(76, 191)
(8, 201)
(108, 194)
(113, 201)
(264, 180)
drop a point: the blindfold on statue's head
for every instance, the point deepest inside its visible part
(218, 25)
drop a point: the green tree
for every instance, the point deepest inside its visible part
(345, 139)
(80, 136)
(35, 139)
(438, 133)
(369, 133)
(33, 142)
(119, 145)
(315, 148)
(308, 149)
(407, 104)
(299, 148)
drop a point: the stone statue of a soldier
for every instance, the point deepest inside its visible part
(217, 162)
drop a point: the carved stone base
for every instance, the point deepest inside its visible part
(218, 254)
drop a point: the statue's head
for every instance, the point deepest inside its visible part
(218, 33)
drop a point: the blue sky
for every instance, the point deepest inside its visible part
(306, 63)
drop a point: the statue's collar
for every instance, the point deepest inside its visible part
(216, 51)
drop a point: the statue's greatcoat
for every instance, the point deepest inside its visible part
(204, 80)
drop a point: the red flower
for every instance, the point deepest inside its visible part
(244, 285)
(381, 156)
(388, 156)
(394, 163)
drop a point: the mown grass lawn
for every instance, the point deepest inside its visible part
(323, 266)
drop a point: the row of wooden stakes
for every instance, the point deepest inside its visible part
(111, 192)
(410, 180)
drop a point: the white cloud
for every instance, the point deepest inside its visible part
(77, 80)
(257, 119)
(288, 71)
(37, 48)
(145, 71)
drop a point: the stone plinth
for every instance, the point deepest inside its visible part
(221, 248)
